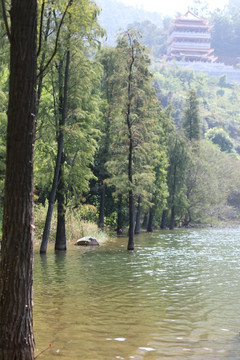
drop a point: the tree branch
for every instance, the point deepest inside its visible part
(5, 20)
(57, 38)
(41, 27)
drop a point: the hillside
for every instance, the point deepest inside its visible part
(115, 15)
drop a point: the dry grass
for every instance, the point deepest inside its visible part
(76, 227)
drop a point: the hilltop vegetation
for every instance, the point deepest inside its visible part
(219, 101)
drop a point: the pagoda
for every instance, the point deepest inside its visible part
(189, 40)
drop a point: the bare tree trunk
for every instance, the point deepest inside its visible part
(164, 220)
(145, 221)
(102, 206)
(131, 221)
(138, 216)
(172, 219)
(60, 243)
(16, 328)
(150, 220)
(119, 215)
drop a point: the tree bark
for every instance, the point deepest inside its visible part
(138, 216)
(172, 219)
(150, 220)
(16, 327)
(60, 243)
(131, 221)
(164, 220)
(119, 216)
(102, 206)
(145, 221)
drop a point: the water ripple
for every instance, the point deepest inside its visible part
(175, 297)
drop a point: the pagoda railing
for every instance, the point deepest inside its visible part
(190, 35)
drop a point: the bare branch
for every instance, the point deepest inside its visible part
(41, 27)
(57, 38)
(5, 20)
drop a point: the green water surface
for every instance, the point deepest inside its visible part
(176, 296)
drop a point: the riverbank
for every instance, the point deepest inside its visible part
(76, 227)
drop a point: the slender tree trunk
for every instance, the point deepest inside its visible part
(102, 206)
(164, 220)
(43, 56)
(52, 197)
(150, 220)
(130, 193)
(119, 215)
(172, 219)
(16, 328)
(60, 243)
(131, 221)
(130, 158)
(138, 216)
(145, 221)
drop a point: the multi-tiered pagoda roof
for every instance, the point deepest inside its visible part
(189, 39)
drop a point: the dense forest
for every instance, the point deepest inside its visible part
(121, 140)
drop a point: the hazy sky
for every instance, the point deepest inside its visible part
(171, 7)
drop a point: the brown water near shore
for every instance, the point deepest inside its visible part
(175, 297)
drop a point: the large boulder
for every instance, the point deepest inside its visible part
(87, 241)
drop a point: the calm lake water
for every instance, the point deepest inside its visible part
(177, 296)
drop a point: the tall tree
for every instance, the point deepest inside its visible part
(133, 124)
(16, 328)
(191, 123)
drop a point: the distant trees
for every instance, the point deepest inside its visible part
(220, 138)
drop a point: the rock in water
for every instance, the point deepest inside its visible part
(87, 241)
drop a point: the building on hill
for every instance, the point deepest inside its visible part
(189, 40)
(189, 47)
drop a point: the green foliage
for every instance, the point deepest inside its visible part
(218, 105)
(191, 123)
(152, 36)
(226, 31)
(178, 159)
(143, 104)
(220, 138)
(79, 34)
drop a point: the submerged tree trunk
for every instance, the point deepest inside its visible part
(131, 221)
(130, 156)
(16, 328)
(138, 216)
(102, 206)
(150, 220)
(60, 243)
(60, 140)
(164, 220)
(145, 221)
(172, 219)
(130, 193)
